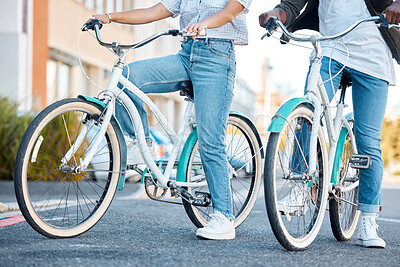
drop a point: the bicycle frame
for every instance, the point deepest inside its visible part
(316, 93)
(112, 91)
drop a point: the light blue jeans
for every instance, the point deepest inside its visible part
(369, 103)
(210, 65)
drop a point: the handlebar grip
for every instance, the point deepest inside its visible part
(173, 32)
(90, 25)
(271, 25)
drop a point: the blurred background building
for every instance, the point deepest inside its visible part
(38, 53)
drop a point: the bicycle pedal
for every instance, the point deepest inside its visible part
(201, 199)
(358, 161)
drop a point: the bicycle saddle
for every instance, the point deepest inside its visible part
(186, 89)
(346, 81)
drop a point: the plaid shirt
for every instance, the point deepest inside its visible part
(193, 11)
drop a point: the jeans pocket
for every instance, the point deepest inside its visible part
(223, 49)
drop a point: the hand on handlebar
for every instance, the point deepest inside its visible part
(102, 17)
(279, 13)
(196, 29)
(99, 19)
(392, 13)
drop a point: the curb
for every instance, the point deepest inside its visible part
(7, 207)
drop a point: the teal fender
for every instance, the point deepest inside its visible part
(120, 137)
(339, 151)
(185, 155)
(191, 140)
(278, 121)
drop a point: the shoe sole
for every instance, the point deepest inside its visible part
(370, 244)
(214, 236)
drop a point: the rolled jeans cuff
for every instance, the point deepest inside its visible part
(369, 208)
(226, 214)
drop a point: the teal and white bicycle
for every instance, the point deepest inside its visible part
(72, 158)
(300, 175)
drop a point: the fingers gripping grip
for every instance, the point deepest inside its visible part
(90, 25)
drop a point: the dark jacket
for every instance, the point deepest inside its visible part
(308, 19)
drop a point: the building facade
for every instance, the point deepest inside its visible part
(39, 62)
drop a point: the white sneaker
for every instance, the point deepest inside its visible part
(218, 228)
(367, 235)
(135, 155)
(296, 200)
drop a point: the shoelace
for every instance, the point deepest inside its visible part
(215, 219)
(370, 225)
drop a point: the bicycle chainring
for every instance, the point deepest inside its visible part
(153, 191)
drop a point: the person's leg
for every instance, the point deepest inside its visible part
(212, 73)
(157, 75)
(369, 104)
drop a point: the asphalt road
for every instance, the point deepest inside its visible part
(141, 232)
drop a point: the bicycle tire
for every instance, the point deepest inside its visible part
(344, 215)
(296, 221)
(54, 200)
(244, 155)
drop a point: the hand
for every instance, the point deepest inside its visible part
(277, 12)
(196, 28)
(393, 13)
(102, 17)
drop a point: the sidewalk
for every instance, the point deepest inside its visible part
(390, 181)
(8, 201)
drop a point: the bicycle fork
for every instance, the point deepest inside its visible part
(104, 120)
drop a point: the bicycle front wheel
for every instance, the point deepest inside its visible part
(245, 164)
(295, 200)
(343, 207)
(55, 199)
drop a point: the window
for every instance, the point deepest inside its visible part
(118, 6)
(89, 4)
(25, 16)
(57, 81)
(100, 6)
(63, 81)
(110, 6)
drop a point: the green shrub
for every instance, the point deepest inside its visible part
(12, 128)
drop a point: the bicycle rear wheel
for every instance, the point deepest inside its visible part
(343, 207)
(295, 201)
(54, 199)
(244, 157)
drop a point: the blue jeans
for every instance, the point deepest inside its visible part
(369, 96)
(210, 65)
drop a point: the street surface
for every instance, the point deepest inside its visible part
(140, 232)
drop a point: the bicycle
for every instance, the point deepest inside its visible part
(300, 175)
(73, 157)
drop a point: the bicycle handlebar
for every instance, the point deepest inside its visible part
(96, 25)
(273, 23)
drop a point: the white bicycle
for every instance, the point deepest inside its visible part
(73, 158)
(300, 176)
